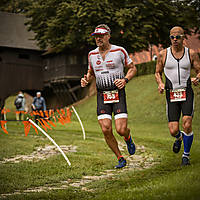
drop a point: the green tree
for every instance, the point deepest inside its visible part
(67, 24)
(189, 15)
(15, 6)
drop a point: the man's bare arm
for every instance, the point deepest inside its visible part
(87, 78)
(159, 71)
(120, 83)
(196, 65)
(132, 70)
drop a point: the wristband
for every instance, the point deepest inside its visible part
(126, 80)
(197, 78)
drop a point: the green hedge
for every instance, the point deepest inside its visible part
(146, 68)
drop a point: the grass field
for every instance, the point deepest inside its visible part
(154, 172)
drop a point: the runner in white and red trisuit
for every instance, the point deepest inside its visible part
(106, 64)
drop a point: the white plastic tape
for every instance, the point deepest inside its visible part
(61, 151)
(83, 130)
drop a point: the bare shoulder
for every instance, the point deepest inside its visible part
(162, 53)
(162, 56)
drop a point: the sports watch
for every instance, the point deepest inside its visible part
(126, 80)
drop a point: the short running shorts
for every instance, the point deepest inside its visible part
(174, 109)
(105, 110)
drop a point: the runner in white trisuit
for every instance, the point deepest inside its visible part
(176, 62)
(106, 64)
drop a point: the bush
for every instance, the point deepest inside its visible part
(146, 68)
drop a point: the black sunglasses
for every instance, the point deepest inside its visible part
(177, 37)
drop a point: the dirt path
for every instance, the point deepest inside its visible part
(141, 160)
(40, 154)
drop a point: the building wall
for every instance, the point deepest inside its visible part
(62, 74)
(63, 66)
(19, 70)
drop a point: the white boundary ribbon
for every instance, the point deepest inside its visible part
(5, 120)
(83, 130)
(61, 151)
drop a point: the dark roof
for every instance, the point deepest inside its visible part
(13, 32)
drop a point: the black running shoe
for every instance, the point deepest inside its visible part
(177, 146)
(185, 161)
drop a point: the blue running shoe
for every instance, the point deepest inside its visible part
(122, 163)
(130, 145)
(185, 161)
(177, 146)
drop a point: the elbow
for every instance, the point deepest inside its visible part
(156, 74)
(135, 70)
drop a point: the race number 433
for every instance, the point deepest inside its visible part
(178, 95)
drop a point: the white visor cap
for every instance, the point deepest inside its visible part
(100, 31)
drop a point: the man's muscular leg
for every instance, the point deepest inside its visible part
(173, 128)
(175, 132)
(121, 128)
(187, 138)
(187, 124)
(106, 127)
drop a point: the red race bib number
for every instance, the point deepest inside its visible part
(178, 95)
(111, 96)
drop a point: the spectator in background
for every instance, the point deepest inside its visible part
(20, 106)
(38, 105)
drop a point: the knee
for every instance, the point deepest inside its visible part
(106, 130)
(122, 130)
(173, 131)
(187, 126)
(173, 128)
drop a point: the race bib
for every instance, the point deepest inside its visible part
(177, 95)
(111, 96)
